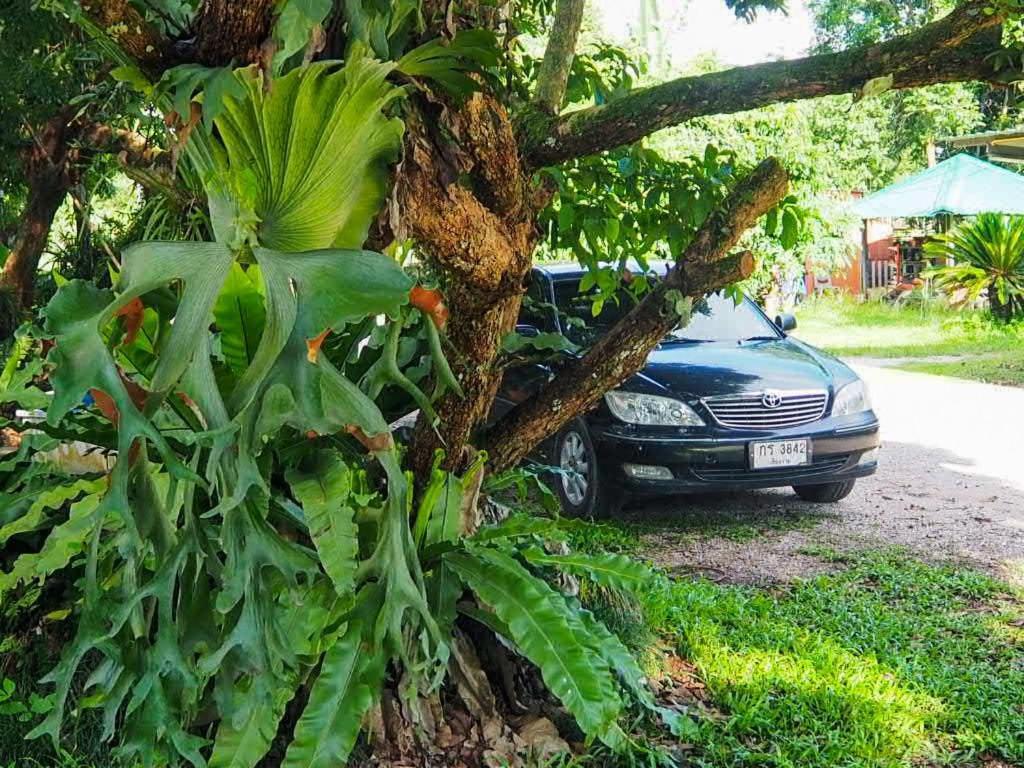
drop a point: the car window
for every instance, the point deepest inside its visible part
(719, 318)
(715, 318)
(536, 311)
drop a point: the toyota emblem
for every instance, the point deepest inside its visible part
(771, 398)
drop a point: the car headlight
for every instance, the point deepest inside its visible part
(651, 410)
(853, 398)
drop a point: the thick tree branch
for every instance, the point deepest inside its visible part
(225, 31)
(553, 75)
(132, 149)
(704, 267)
(477, 231)
(53, 164)
(471, 211)
(955, 48)
(142, 161)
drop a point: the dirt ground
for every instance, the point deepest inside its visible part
(950, 488)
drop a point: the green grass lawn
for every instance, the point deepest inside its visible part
(849, 328)
(999, 368)
(888, 662)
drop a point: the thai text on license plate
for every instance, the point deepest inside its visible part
(780, 453)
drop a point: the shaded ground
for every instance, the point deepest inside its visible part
(950, 488)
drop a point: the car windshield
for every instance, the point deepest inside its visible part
(716, 318)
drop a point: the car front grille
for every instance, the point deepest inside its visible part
(748, 410)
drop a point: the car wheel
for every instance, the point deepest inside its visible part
(827, 493)
(579, 485)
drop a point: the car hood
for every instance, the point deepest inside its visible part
(722, 368)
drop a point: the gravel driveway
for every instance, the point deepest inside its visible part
(950, 488)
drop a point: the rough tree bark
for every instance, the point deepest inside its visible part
(705, 266)
(53, 162)
(132, 32)
(225, 31)
(480, 235)
(472, 212)
(229, 30)
(49, 173)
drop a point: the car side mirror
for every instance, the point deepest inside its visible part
(528, 330)
(785, 322)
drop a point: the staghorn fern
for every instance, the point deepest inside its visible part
(254, 536)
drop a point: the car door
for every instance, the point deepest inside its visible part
(521, 381)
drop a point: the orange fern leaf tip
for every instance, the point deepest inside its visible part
(132, 312)
(429, 302)
(138, 394)
(313, 346)
(373, 443)
(105, 404)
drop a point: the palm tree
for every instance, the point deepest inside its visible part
(985, 254)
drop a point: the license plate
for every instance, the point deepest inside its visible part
(780, 453)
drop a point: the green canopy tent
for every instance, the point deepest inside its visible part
(961, 186)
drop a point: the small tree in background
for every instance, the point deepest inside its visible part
(985, 255)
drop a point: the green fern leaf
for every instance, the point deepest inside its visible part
(295, 24)
(349, 682)
(608, 570)
(519, 526)
(240, 315)
(323, 490)
(536, 618)
(64, 542)
(311, 154)
(619, 658)
(45, 501)
(245, 746)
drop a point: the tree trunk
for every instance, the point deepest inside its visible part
(231, 31)
(49, 173)
(469, 207)
(1001, 311)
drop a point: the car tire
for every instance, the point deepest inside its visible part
(580, 488)
(827, 493)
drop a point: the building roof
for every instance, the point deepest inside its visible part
(1002, 146)
(962, 185)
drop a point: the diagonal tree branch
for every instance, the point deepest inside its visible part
(704, 267)
(553, 75)
(133, 149)
(955, 48)
(144, 162)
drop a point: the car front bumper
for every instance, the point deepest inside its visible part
(840, 449)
